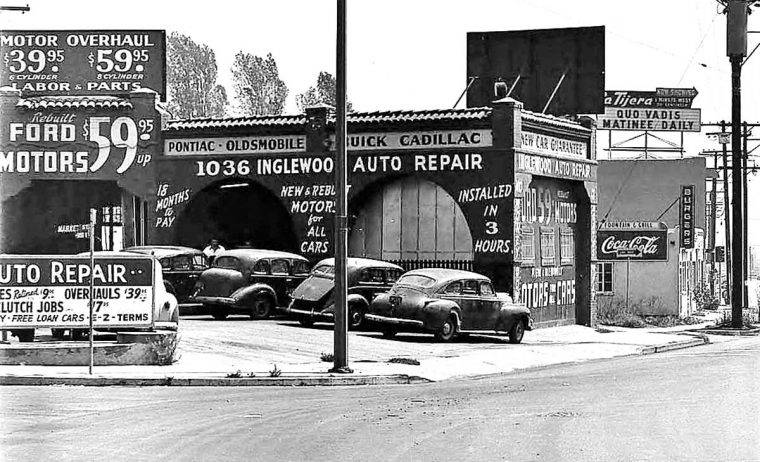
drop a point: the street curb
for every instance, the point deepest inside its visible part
(696, 340)
(398, 379)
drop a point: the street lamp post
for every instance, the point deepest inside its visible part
(340, 338)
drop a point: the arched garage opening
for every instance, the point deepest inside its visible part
(237, 212)
(410, 221)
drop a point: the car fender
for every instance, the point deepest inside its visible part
(249, 293)
(435, 312)
(357, 300)
(509, 313)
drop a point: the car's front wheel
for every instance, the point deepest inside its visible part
(389, 332)
(517, 331)
(262, 308)
(220, 314)
(305, 321)
(448, 330)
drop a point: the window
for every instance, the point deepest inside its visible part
(199, 262)
(300, 268)
(324, 270)
(280, 267)
(604, 277)
(486, 289)
(372, 275)
(470, 288)
(567, 246)
(455, 288)
(227, 263)
(548, 244)
(261, 267)
(392, 275)
(527, 245)
(181, 263)
(416, 280)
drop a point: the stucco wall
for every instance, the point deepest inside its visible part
(640, 190)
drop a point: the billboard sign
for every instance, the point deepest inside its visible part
(535, 63)
(53, 291)
(665, 109)
(686, 216)
(77, 62)
(77, 144)
(646, 241)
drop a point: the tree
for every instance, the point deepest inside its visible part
(322, 93)
(257, 85)
(191, 79)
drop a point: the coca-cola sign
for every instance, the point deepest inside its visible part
(617, 244)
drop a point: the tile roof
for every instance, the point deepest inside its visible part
(237, 122)
(553, 120)
(73, 102)
(378, 117)
(430, 115)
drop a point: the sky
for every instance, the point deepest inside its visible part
(411, 54)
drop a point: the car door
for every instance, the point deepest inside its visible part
(182, 276)
(489, 306)
(280, 278)
(453, 292)
(470, 305)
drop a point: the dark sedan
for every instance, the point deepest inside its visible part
(448, 302)
(249, 281)
(181, 267)
(313, 299)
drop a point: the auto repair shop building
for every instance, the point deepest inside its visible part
(498, 190)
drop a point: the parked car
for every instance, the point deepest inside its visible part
(165, 306)
(249, 281)
(182, 266)
(313, 300)
(448, 302)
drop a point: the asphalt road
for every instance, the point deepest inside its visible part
(697, 404)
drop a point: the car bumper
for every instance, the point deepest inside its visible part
(396, 321)
(226, 301)
(309, 313)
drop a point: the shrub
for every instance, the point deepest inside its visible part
(705, 299)
(327, 357)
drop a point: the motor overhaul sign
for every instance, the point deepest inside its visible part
(54, 291)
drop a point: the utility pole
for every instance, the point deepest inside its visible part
(745, 236)
(736, 49)
(726, 215)
(340, 316)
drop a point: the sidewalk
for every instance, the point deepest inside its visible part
(209, 353)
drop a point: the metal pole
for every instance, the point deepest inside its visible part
(745, 238)
(713, 223)
(627, 279)
(92, 271)
(726, 216)
(340, 339)
(737, 257)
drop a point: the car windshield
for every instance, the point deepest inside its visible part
(416, 280)
(324, 271)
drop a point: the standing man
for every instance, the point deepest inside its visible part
(212, 250)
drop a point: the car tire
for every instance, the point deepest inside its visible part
(305, 322)
(262, 308)
(80, 334)
(448, 330)
(220, 314)
(58, 334)
(517, 331)
(389, 332)
(355, 318)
